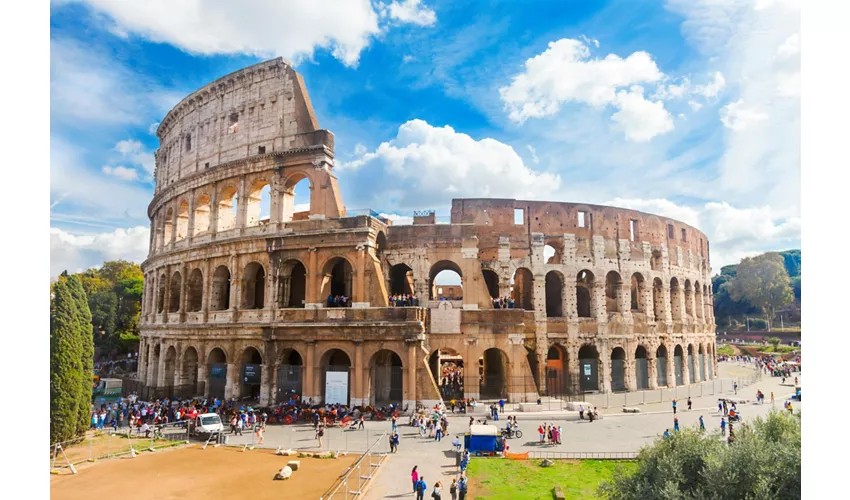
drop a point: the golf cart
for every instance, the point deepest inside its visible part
(483, 440)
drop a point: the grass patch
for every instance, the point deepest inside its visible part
(526, 479)
(726, 350)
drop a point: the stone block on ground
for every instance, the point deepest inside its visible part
(631, 410)
(557, 493)
(546, 463)
(284, 473)
(293, 464)
(573, 405)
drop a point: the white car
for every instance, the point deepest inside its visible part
(208, 423)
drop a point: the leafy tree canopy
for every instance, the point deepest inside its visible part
(763, 282)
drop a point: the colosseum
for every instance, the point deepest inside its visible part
(243, 304)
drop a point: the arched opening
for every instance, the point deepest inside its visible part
(658, 298)
(189, 373)
(557, 374)
(386, 378)
(258, 208)
(678, 364)
(160, 294)
(167, 225)
(153, 366)
(491, 279)
(618, 370)
(293, 284)
(446, 281)
(637, 289)
(584, 286)
(401, 280)
(380, 243)
(170, 364)
(523, 289)
(251, 374)
(698, 311)
(675, 300)
(336, 377)
(689, 299)
(692, 373)
(290, 376)
(228, 203)
(174, 301)
(202, 215)
(217, 364)
(337, 279)
(613, 284)
(195, 291)
(220, 296)
(701, 362)
(446, 367)
(656, 262)
(551, 255)
(641, 369)
(554, 294)
(254, 286)
(588, 360)
(661, 365)
(182, 220)
(295, 198)
(493, 367)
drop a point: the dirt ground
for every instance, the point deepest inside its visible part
(192, 472)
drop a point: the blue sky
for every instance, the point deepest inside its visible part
(687, 108)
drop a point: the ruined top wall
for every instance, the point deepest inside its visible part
(260, 109)
(495, 218)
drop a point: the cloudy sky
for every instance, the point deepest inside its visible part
(686, 108)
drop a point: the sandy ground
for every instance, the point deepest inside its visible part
(195, 473)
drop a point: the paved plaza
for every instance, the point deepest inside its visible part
(615, 432)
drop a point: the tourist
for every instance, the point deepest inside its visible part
(580, 412)
(420, 488)
(723, 425)
(414, 476)
(667, 433)
(689, 403)
(461, 488)
(541, 432)
(735, 386)
(676, 424)
(501, 406)
(674, 407)
(719, 407)
(453, 488)
(435, 494)
(456, 443)
(259, 433)
(701, 424)
(439, 434)
(772, 401)
(320, 434)
(590, 416)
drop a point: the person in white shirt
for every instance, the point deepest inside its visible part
(146, 429)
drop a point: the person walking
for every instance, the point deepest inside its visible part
(453, 488)
(320, 434)
(259, 430)
(701, 424)
(735, 386)
(719, 407)
(723, 425)
(772, 401)
(676, 424)
(439, 434)
(456, 443)
(674, 407)
(437, 492)
(461, 488)
(501, 406)
(541, 432)
(414, 476)
(362, 424)
(581, 412)
(689, 403)
(420, 488)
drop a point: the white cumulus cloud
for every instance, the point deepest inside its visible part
(135, 152)
(640, 119)
(122, 172)
(410, 11)
(78, 252)
(737, 116)
(790, 47)
(695, 105)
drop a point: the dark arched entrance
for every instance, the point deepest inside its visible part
(251, 373)
(554, 295)
(678, 364)
(641, 369)
(401, 280)
(386, 378)
(661, 365)
(290, 374)
(446, 367)
(493, 367)
(618, 370)
(557, 383)
(588, 359)
(293, 284)
(217, 363)
(336, 377)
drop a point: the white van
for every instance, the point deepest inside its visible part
(208, 423)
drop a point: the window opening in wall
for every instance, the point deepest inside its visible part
(581, 219)
(519, 216)
(261, 150)
(670, 233)
(234, 124)
(684, 235)
(207, 165)
(188, 143)
(633, 230)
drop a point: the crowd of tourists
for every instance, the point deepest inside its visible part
(404, 300)
(451, 382)
(339, 301)
(503, 303)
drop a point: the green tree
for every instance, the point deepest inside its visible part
(66, 364)
(774, 341)
(763, 282)
(84, 327)
(763, 463)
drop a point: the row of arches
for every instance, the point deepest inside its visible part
(222, 210)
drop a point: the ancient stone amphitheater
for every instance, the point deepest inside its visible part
(236, 302)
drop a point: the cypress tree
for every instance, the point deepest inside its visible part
(65, 364)
(75, 287)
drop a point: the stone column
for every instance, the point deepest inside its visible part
(358, 396)
(213, 213)
(605, 376)
(182, 306)
(235, 275)
(686, 367)
(142, 369)
(202, 385)
(310, 389)
(597, 302)
(668, 312)
(231, 387)
(190, 230)
(206, 291)
(359, 298)
(570, 300)
(160, 373)
(412, 347)
(242, 207)
(173, 226)
(314, 283)
(671, 368)
(645, 298)
(471, 381)
(630, 377)
(652, 370)
(691, 297)
(266, 382)
(573, 369)
(166, 299)
(624, 300)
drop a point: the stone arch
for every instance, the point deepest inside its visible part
(292, 284)
(618, 369)
(554, 294)
(638, 285)
(699, 312)
(656, 261)
(174, 300)
(494, 367)
(401, 279)
(380, 242)
(195, 290)
(523, 289)
(259, 197)
(446, 366)
(337, 361)
(557, 372)
(293, 183)
(386, 378)
(250, 372)
(220, 296)
(589, 366)
(613, 284)
(436, 269)
(661, 365)
(679, 364)
(658, 299)
(228, 203)
(167, 225)
(553, 252)
(182, 220)
(337, 280)
(160, 293)
(290, 375)
(254, 286)
(675, 299)
(584, 295)
(491, 279)
(203, 206)
(189, 371)
(641, 368)
(689, 295)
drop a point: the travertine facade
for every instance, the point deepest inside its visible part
(606, 298)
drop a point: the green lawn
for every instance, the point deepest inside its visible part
(493, 478)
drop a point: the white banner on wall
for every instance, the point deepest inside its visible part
(336, 388)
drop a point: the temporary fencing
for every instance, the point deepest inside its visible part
(584, 455)
(355, 480)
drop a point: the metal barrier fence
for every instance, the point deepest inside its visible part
(352, 483)
(584, 455)
(106, 444)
